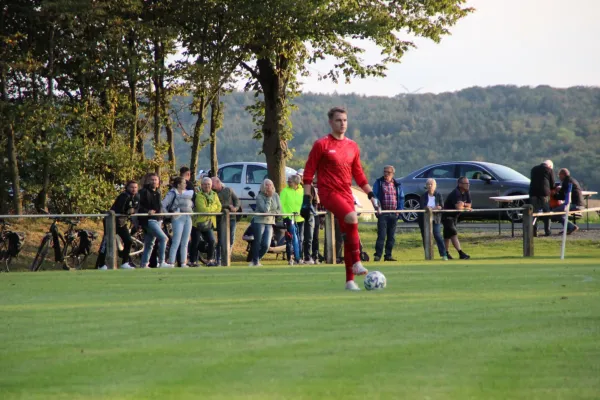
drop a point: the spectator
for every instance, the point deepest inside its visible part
(311, 231)
(267, 201)
(207, 201)
(391, 197)
(179, 200)
(542, 182)
(126, 203)
(291, 201)
(229, 201)
(434, 200)
(150, 203)
(186, 174)
(458, 199)
(576, 202)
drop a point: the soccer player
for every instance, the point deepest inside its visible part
(336, 160)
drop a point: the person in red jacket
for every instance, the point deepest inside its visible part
(336, 160)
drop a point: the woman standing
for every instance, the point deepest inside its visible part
(177, 200)
(433, 199)
(267, 201)
(207, 201)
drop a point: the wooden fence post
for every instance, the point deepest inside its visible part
(329, 238)
(225, 240)
(111, 240)
(528, 231)
(428, 233)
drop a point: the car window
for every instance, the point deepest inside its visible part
(472, 171)
(508, 174)
(255, 174)
(231, 173)
(439, 172)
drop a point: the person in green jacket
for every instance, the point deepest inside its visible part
(207, 201)
(267, 202)
(291, 202)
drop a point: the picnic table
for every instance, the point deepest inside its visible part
(511, 199)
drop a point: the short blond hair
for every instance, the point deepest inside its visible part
(263, 184)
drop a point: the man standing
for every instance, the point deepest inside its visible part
(542, 182)
(229, 201)
(186, 173)
(391, 196)
(336, 160)
(576, 202)
(150, 203)
(458, 199)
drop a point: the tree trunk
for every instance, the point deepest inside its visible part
(132, 80)
(216, 117)
(41, 201)
(274, 144)
(198, 129)
(13, 168)
(157, 95)
(167, 123)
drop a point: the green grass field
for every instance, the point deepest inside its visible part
(501, 328)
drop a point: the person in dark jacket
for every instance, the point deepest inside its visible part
(150, 203)
(576, 202)
(433, 199)
(458, 199)
(542, 182)
(391, 197)
(126, 203)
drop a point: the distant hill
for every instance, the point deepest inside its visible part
(515, 126)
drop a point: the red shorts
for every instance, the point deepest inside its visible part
(339, 203)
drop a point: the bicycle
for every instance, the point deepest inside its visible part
(10, 245)
(76, 246)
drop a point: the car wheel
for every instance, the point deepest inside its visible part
(411, 203)
(515, 216)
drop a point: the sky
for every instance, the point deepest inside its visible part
(516, 42)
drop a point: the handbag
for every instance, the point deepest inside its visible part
(204, 226)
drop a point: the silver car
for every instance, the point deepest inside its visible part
(487, 180)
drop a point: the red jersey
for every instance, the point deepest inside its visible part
(335, 162)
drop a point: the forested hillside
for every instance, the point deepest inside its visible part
(515, 126)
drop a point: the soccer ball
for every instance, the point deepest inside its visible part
(375, 280)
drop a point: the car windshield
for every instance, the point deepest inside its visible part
(507, 174)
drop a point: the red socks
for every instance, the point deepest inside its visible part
(351, 249)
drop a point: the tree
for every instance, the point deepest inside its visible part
(283, 35)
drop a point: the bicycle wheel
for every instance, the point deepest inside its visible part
(137, 249)
(74, 259)
(5, 257)
(41, 254)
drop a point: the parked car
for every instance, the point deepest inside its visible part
(487, 180)
(244, 177)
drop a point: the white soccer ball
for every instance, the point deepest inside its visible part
(375, 280)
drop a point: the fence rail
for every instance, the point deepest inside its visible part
(111, 244)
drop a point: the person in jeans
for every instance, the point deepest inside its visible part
(150, 203)
(391, 197)
(576, 202)
(434, 200)
(126, 203)
(179, 200)
(207, 201)
(291, 200)
(311, 232)
(540, 187)
(267, 201)
(229, 201)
